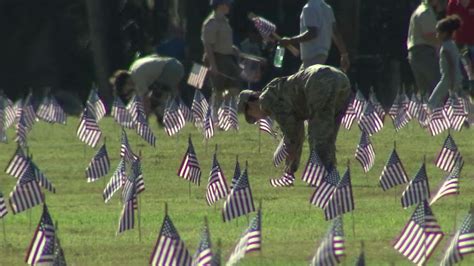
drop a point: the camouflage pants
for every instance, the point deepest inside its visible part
(327, 105)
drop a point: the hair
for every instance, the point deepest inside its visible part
(119, 79)
(449, 24)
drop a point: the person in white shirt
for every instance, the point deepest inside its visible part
(318, 29)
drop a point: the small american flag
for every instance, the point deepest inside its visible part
(414, 106)
(449, 155)
(417, 190)
(42, 246)
(208, 127)
(217, 187)
(96, 106)
(126, 152)
(265, 27)
(250, 241)
(377, 106)
(420, 236)
(459, 114)
(203, 255)
(169, 248)
(25, 108)
(144, 131)
(173, 118)
(3, 206)
(332, 248)
(342, 200)
(9, 114)
(197, 76)
(129, 198)
(137, 174)
(116, 181)
(240, 200)
(280, 153)
(88, 130)
(50, 111)
(349, 117)
(99, 165)
(286, 180)
(326, 189)
(402, 118)
(315, 171)
(365, 153)
(136, 109)
(237, 173)
(187, 113)
(462, 243)
(199, 108)
(370, 121)
(393, 173)
(190, 169)
(438, 122)
(450, 185)
(354, 110)
(121, 114)
(227, 115)
(22, 130)
(266, 125)
(18, 164)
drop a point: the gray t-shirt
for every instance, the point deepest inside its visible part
(317, 13)
(422, 21)
(145, 71)
(451, 77)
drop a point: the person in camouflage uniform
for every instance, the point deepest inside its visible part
(318, 94)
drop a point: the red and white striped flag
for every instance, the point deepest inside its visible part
(173, 118)
(42, 246)
(3, 206)
(393, 173)
(342, 199)
(190, 169)
(266, 125)
(116, 181)
(197, 76)
(417, 190)
(280, 153)
(96, 105)
(88, 130)
(240, 200)
(250, 241)
(217, 187)
(332, 247)
(365, 153)
(370, 121)
(450, 185)
(315, 171)
(99, 165)
(326, 189)
(199, 108)
(449, 155)
(462, 244)
(438, 121)
(121, 114)
(286, 180)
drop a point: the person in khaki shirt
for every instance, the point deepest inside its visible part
(220, 53)
(422, 46)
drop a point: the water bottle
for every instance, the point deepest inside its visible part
(279, 56)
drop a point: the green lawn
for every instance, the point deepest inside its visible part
(292, 229)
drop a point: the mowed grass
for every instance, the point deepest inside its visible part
(292, 229)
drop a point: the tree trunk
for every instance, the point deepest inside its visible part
(98, 37)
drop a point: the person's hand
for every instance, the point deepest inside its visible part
(345, 62)
(286, 42)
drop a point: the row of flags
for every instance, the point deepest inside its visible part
(370, 114)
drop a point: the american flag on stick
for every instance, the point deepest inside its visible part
(286, 180)
(137, 174)
(217, 187)
(203, 255)
(3, 206)
(6, 105)
(393, 173)
(240, 200)
(280, 153)
(26, 193)
(421, 235)
(365, 153)
(121, 114)
(197, 76)
(462, 244)
(42, 246)
(22, 130)
(187, 113)
(116, 181)
(173, 118)
(25, 108)
(136, 109)
(227, 115)
(332, 247)
(88, 131)
(438, 122)
(342, 200)
(370, 121)
(99, 165)
(18, 164)
(50, 111)
(126, 152)
(199, 108)
(190, 169)
(450, 185)
(417, 190)
(377, 106)
(458, 115)
(144, 131)
(96, 105)
(266, 125)
(169, 248)
(129, 200)
(250, 241)
(315, 171)
(208, 128)
(354, 110)
(449, 155)
(326, 189)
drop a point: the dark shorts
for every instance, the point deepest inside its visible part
(227, 65)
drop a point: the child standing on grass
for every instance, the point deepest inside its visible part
(449, 62)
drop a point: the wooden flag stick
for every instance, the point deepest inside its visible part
(4, 232)
(455, 212)
(139, 219)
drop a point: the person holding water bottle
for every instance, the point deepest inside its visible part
(317, 29)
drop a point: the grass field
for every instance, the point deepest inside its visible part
(292, 229)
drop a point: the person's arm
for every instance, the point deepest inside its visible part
(211, 58)
(341, 46)
(308, 35)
